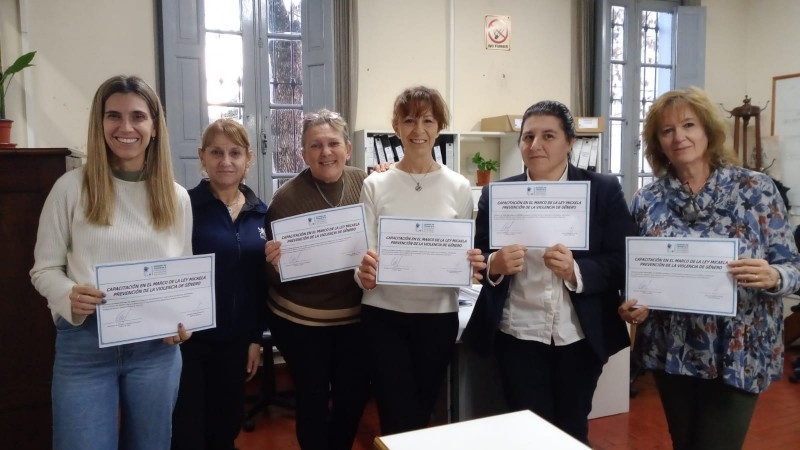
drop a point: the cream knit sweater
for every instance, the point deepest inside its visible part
(68, 246)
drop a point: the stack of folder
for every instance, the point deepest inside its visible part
(384, 147)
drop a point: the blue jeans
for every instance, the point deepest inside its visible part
(115, 397)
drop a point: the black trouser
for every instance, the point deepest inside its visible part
(704, 414)
(328, 366)
(555, 382)
(209, 410)
(409, 355)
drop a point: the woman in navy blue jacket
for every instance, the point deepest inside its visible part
(229, 221)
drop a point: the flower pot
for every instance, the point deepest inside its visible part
(5, 134)
(483, 177)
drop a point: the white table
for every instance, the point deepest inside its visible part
(522, 430)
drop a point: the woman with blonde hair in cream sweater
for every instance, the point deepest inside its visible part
(123, 205)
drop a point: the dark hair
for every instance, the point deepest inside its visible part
(416, 100)
(551, 108)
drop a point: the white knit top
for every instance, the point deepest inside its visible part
(68, 246)
(445, 194)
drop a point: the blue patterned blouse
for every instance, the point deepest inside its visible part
(745, 350)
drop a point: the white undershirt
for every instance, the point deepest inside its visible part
(538, 306)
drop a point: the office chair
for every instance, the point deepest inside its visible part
(268, 394)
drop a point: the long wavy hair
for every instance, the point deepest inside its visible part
(98, 180)
(718, 152)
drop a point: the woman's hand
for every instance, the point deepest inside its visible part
(368, 270)
(272, 249)
(476, 258)
(509, 260)
(558, 258)
(633, 314)
(253, 358)
(382, 167)
(179, 338)
(754, 273)
(84, 299)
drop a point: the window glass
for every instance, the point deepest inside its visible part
(224, 68)
(286, 72)
(285, 141)
(222, 15)
(284, 16)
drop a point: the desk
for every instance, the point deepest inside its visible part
(474, 383)
(514, 431)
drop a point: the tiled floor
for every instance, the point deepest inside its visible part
(775, 426)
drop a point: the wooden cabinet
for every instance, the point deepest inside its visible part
(27, 334)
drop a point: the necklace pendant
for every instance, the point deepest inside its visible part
(230, 210)
(418, 188)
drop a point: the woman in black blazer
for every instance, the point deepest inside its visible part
(550, 315)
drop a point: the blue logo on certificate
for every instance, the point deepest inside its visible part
(422, 227)
(536, 190)
(318, 219)
(678, 247)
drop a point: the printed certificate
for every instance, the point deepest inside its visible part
(147, 299)
(424, 252)
(682, 274)
(539, 214)
(325, 241)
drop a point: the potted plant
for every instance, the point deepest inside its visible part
(485, 168)
(5, 80)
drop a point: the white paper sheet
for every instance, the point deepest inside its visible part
(424, 252)
(325, 241)
(682, 274)
(148, 299)
(539, 214)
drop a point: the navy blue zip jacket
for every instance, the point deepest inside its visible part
(240, 281)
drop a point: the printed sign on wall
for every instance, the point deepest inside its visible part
(498, 33)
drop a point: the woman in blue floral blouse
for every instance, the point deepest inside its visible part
(710, 369)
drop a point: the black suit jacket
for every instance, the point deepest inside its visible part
(602, 268)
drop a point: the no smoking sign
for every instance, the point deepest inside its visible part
(498, 33)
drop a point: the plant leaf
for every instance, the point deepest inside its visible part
(21, 63)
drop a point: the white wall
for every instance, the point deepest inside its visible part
(80, 43)
(399, 47)
(83, 42)
(11, 49)
(748, 43)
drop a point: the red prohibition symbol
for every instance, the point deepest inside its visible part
(498, 32)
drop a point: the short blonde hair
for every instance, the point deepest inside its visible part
(231, 129)
(325, 117)
(717, 154)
